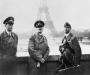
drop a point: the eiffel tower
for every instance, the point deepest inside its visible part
(44, 15)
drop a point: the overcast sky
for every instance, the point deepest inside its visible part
(76, 12)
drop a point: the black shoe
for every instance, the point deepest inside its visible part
(61, 67)
(66, 68)
(62, 70)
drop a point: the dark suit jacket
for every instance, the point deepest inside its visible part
(75, 47)
(8, 44)
(38, 47)
(8, 48)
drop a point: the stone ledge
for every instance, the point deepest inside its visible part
(85, 57)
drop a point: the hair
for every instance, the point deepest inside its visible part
(67, 25)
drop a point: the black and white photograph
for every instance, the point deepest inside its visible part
(44, 37)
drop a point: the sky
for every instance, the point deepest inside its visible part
(25, 12)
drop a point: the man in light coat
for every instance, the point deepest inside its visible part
(38, 48)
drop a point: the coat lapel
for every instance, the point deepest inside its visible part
(69, 37)
(5, 34)
(39, 40)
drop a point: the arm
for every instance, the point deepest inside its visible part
(16, 44)
(47, 50)
(77, 49)
(74, 44)
(46, 54)
(0, 47)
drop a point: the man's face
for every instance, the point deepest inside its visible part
(9, 26)
(67, 30)
(40, 30)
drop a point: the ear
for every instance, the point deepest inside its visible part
(5, 25)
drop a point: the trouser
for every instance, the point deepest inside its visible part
(68, 58)
(33, 70)
(77, 59)
(8, 65)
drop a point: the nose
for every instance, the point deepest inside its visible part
(40, 28)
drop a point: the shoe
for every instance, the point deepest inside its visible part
(68, 68)
(61, 67)
(65, 69)
(61, 70)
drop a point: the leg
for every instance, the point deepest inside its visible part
(33, 70)
(68, 58)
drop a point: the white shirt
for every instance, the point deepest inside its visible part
(67, 34)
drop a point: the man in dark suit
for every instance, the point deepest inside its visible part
(8, 43)
(70, 49)
(38, 48)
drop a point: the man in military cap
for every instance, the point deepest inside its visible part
(70, 49)
(8, 41)
(38, 48)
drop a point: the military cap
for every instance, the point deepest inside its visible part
(39, 24)
(9, 20)
(67, 25)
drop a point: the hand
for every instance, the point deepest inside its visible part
(62, 49)
(40, 56)
(42, 60)
(38, 64)
(61, 44)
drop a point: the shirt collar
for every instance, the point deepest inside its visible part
(67, 34)
(39, 34)
(9, 33)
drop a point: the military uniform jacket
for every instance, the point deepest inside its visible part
(38, 47)
(8, 44)
(74, 44)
